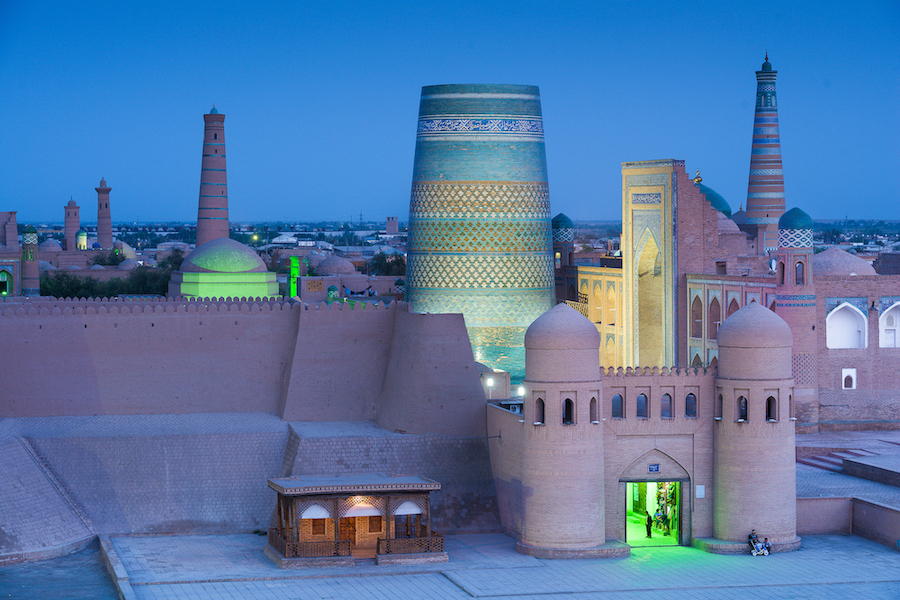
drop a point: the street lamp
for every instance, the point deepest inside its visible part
(490, 383)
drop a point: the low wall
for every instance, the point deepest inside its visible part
(876, 522)
(818, 516)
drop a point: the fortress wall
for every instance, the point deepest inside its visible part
(466, 502)
(431, 384)
(128, 475)
(506, 465)
(36, 521)
(338, 366)
(90, 358)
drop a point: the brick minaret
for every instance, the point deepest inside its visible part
(765, 191)
(212, 215)
(104, 220)
(796, 304)
(31, 275)
(73, 224)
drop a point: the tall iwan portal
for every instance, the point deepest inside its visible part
(479, 215)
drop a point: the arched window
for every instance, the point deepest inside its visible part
(665, 406)
(690, 406)
(4, 283)
(845, 327)
(643, 411)
(732, 307)
(719, 402)
(572, 293)
(848, 382)
(780, 272)
(539, 412)
(697, 362)
(798, 273)
(570, 261)
(215, 136)
(557, 260)
(887, 324)
(771, 409)
(568, 417)
(713, 319)
(791, 405)
(594, 414)
(696, 317)
(742, 408)
(618, 407)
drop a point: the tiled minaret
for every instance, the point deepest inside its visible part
(765, 192)
(104, 220)
(31, 275)
(212, 215)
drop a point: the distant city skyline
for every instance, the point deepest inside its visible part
(321, 101)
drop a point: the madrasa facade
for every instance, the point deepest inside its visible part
(665, 387)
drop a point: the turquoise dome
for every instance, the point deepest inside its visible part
(716, 199)
(213, 110)
(561, 221)
(795, 219)
(223, 255)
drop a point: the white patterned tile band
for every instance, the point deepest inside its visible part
(522, 126)
(795, 238)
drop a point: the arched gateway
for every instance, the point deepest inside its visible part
(656, 485)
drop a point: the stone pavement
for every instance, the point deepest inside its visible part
(487, 565)
(818, 483)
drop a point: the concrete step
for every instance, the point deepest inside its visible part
(852, 453)
(822, 462)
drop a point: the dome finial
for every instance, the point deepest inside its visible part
(767, 58)
(697, 178)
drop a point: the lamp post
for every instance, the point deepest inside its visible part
(490, 384)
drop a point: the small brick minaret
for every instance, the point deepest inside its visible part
(31, 275)
(796, 304)
(104, 219)
(212, 215)
(72, 225)
(765, 191)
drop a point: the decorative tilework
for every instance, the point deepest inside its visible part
(646, 198)
(485, 308)
(564, 235)
(465, 235)
(885, 302)
(646, 221)
(461, 272)
(766, 172)
(803, 367)
(523, 126)
(795, 238)
(861, 303)
(647, 179)
(479, 200)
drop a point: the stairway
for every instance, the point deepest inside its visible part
(833, 461)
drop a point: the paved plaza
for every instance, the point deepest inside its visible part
(487, 566)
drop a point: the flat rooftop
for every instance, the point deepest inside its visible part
(351, 484)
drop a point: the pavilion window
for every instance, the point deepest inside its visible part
(690, 406)
(374, 524)
(618, 407)
(594, 418)
(771, 409)
(568, 412)
(643, 411)
(539, 412)
(665, 406)
(318, 526)
(742, 408)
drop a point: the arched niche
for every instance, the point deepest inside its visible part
(845, 327)
(669, 468)
(888, 326)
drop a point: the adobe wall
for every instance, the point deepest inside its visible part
(819, 516)
(876, 522)
(95, 357)
(466, 502)
(505, 438)
(163, 473)
(875, 403)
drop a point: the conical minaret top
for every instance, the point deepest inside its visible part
(212, 214)
(765, 191)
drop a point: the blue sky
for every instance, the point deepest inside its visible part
(321, 99)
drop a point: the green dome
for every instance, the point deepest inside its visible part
(223, 255)
(795, 219)
(30, 229)
(561, 221)
(716, 199)
(81, 232)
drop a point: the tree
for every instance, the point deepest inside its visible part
(382, 264)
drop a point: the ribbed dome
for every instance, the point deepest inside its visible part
(336, 265)
(835, 261)
(50, 245)
(223, 255)
(755, 326)
(562, 328)
(795, 219)
(561, 221)
(716, 199)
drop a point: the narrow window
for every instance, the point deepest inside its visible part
(618, 407)
(539, 412)
(665, 406)
(690, 405)
(798, 277)
(557, 260)
(780, 272)
(791, 405)
(771, 414)
(594, 418)
(696, 318)
(719, 407)
(374, 524)
(742, 409)
(848, 382)
(568, 412)
(318, 526)
(641, 406)
(215, 136)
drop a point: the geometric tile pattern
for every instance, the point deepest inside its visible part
(803, 367)
(459, 272)
(530, 127)
(479, 200)
(486, 308)
(444, 235)
(564, 234)
(861, 303)
(646, 198)
(795, 238)
(885, 302)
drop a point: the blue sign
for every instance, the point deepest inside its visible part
(653, 468)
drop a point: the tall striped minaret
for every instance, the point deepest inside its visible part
(104, 218)
(212, 215)
(765, 192)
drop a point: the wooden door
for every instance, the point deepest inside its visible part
(347, 529)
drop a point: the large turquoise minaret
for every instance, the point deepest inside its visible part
(479, 215)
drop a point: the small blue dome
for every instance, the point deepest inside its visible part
(795, 219)
(766, 66)
(95, 245)
(213, 110)
(561, 221)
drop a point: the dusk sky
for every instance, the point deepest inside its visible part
(321, 100)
